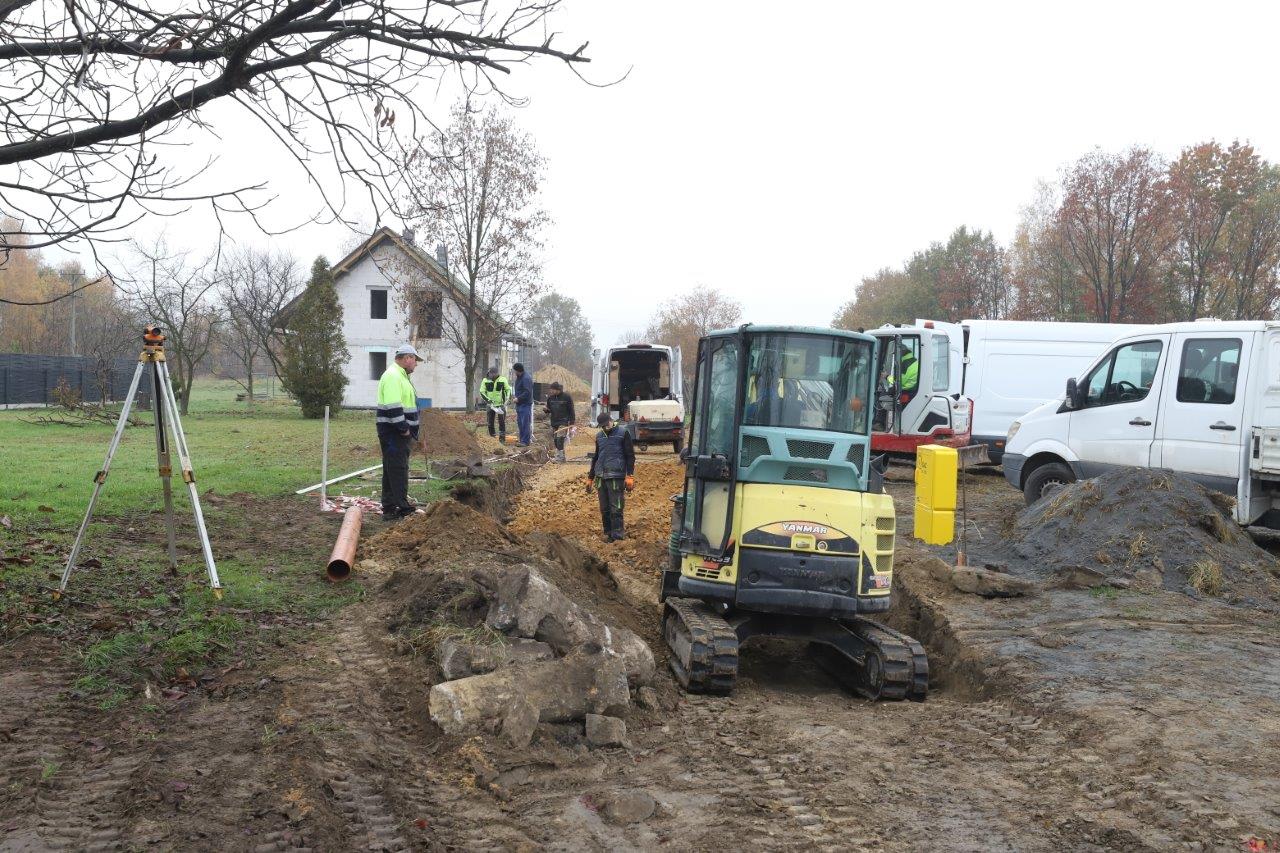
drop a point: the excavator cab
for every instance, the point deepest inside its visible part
(783, 528)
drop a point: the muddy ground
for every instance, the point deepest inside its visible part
(1084, 719)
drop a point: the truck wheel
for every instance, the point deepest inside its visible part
(677, 444)
(1048, 476)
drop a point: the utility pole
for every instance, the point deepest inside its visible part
(74, 280)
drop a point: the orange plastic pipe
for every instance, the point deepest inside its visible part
(344, 550)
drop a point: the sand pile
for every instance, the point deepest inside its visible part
(573, 384)
(1150, 527)
(566, 509)
(447, 434)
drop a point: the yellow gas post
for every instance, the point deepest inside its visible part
(936, 470)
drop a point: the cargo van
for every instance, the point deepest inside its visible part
(1201, 399)
(991, 371)
(640, 386)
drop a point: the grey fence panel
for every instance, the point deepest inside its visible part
(27, 380)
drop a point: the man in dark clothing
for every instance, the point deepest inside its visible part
(612, 474)
(523, 392)
(560, 410)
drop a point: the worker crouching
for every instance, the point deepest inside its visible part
(612, 474)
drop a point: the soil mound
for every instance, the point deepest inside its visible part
(447, 435)
(446, 529)
(1151, 527)
(573, 384)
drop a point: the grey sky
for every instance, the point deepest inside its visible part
(781, 151)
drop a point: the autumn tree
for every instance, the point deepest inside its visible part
(682, 321)
(175, 289)
(1207, 184)
(1114, 221)
(972, 277)
(100, 97)
(889, 296)
(561, 333)
(315, 351)
(1047, 284)
(1251, 251)
(474, 189)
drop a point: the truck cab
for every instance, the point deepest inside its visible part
(1201, 399)
(640, 385)
(918, 398)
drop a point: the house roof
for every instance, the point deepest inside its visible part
(424, 259)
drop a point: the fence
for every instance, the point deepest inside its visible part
(29, 380)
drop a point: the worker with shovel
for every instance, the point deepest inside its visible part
(559, 407)
(495, 391)
(612, 474)
(397, 421)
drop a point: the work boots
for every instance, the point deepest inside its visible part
(560, 456)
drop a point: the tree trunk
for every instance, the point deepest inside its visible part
(249, 382)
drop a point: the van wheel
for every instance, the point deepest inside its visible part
(1046, 477)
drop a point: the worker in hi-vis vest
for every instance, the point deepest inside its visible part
(397, 430)
(494, 393)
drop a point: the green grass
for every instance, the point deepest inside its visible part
(130, 622)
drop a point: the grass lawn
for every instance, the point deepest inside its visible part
(126, 620)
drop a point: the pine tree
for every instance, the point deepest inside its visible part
(314, 349)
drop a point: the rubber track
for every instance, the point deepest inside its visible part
(909, 671)
(710, 645)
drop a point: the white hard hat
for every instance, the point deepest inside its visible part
(407, 349)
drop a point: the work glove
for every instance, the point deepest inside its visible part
(590, 483)
(630, 482)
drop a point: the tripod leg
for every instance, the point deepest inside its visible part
(164, 464)
(100, 479)
(189, 476)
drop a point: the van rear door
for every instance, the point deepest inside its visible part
(677, 375)
(1202, 429)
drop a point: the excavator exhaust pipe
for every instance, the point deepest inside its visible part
(344, 550)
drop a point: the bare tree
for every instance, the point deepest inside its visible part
(96, 93)
(256, 286)
(474, 189)
(1253, 251)
(175, 290)
(109, 331)
(682, 321)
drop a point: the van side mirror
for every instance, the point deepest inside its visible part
(1073, 394)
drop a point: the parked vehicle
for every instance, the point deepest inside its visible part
(977, 376)
(640, 386)
(1200, 398)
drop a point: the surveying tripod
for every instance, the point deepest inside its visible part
(163, 403)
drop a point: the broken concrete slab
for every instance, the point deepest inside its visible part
(605, 731)
(610, 694)
(459, 659)
(990, 584)
(528, 605)
(561, 690)
(647, 698)
(624, 807)
(519, 724)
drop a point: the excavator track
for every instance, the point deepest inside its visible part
(703, 646)
(875, 661)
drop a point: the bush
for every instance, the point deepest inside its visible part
(314, 349)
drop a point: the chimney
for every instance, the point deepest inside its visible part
(442, 256)
(407, 234)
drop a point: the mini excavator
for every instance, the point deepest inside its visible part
(783, 528)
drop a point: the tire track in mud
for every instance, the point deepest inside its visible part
(57, 789)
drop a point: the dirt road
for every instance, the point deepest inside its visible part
(1073, 720)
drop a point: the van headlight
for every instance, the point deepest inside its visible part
(1013, 430)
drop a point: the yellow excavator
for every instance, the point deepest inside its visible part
(783, 528)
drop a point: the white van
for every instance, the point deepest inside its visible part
(1201, 399)
(1004, 367)
(641, 386)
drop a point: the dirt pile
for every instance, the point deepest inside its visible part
(567, 509)
(1149, 527)
(446, 529)
(447, 434)
(573, 384)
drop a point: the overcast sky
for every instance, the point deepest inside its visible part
(781, 151)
